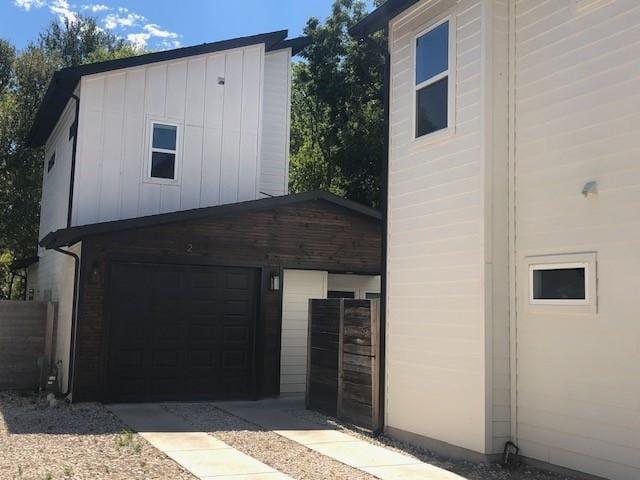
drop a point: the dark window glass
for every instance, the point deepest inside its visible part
(163, 165)
(164, 136)
(371, 295)
(432, 53)
(340, 294)
(51, 162)
(559, 284)
(431, 107)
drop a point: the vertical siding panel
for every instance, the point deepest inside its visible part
(110, 174)
(176, 89)
(251, 109)
(210, 185)
(133, 158)
(274, 149)
(156, 89)
(88, 178)
(231, 128)
(195, 95)
(191, 167)
(170, 198)
(214, 96)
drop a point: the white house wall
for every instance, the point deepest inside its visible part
(298, 287)
(219, 135)
(577, 120)
(435, 370)
(275, 123)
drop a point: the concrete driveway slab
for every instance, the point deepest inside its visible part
(201, 454)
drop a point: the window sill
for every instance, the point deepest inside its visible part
(161, 181)
(434, 137)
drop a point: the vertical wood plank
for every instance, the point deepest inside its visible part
(176, 90)
(191, 167)
(231, 128)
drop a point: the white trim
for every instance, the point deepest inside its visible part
(559, 266)
(151, 121)
(449, 73)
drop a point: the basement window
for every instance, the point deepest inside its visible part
(559, 284)
(163, 152)
(433, 83)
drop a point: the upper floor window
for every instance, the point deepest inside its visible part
(51, 162)
(432, 82)
(164, 148)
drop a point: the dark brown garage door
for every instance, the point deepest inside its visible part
(181, 332)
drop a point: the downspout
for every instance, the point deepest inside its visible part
(73, 131)
(386, 86)
(74, 314)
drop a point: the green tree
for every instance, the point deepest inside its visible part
(24, 78)
(337, 108)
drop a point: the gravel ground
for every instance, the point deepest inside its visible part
(83, 441)
(468, 470)
(278, 452)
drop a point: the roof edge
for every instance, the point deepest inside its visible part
(379, 18)
(69, 236)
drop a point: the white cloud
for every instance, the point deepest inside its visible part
(63, 10)
(96, 7)
(114, 20)
(27, 4)
(121, 21)
(155, 31)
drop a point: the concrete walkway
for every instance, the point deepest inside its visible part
(376, 460)
(199, 453)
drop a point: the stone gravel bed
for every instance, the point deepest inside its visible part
(466, 469)
(270, 448)
(83, 441)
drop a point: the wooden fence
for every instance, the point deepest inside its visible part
(342, 367)
(25, 328)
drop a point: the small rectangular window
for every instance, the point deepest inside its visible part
(432, 80)
(164, 140)
(372, 295)
(558, 284)
(340, 294)
(51, 162)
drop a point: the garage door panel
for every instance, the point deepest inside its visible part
(188, 332)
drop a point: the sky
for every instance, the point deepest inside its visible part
(163, 24)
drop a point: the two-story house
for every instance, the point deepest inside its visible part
(180, 266)
(512, 235)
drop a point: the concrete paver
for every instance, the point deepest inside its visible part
(201, 454)
(378, 461)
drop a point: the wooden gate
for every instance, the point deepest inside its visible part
(343, 354)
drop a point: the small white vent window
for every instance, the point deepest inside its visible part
(567, 280)
(163, 152)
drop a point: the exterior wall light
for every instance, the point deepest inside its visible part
(274, 282)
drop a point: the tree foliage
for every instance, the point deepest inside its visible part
(24, 77)
(337, 109)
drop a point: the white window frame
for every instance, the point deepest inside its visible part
(176, 152)
(451, 84)
(586, 260)
(559, 266)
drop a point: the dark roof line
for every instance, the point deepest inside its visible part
(379, 18)
(295, 44)
(21, 263)
(69, 236)
(63, 82)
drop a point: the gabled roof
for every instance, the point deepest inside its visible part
(69, 236)
(23, 263)
(379, 18)
(63, 82)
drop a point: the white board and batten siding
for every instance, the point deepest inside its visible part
(439, 272)
(577, 120)
(298, 286)
(276, 115)
(217, 102)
